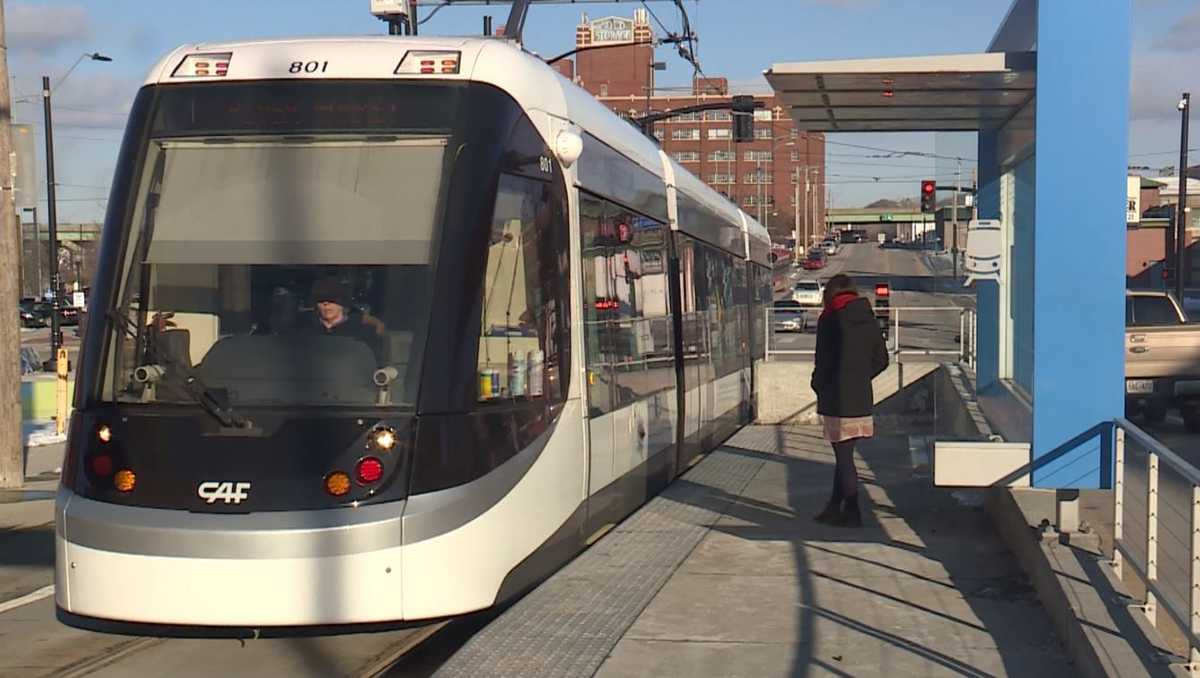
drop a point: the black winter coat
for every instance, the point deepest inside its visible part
(850, 353)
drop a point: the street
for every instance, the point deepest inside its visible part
(914, 285)
(39, 340)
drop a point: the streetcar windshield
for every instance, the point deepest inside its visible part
(278, 269)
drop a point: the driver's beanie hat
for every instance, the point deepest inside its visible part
(331, 289)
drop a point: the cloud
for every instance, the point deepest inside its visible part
(1184, 33)
(1156, 80)
(45, 29)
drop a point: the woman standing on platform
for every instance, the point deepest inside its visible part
(850, 353)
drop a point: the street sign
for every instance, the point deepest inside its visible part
(1133, 203)
(25, 175)
(985, 249)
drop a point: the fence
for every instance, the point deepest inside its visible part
(1161, 544)
(908, 328)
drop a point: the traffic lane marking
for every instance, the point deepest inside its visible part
(44, 592)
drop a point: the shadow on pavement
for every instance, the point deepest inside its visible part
(934, 564)
(27, 547)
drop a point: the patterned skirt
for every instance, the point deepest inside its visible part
(838, 429)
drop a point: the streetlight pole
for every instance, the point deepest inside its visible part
(56, 339)
(650, 68)
(1185, 106)
(759, 187)
(52, 212)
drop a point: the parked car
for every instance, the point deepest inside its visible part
(1162, 359)
(808, 293)
(67, 315)
(788, 315)
(31, 316)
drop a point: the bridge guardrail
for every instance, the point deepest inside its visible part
(783, 320)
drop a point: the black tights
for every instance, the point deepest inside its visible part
(845, 476)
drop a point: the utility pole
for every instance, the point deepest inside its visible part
(796, 212)
(12, 468)
(1185, 108)
(954, 237)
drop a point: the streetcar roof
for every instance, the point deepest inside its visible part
(496, 61)
(492, 60)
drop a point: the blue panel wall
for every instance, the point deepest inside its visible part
(1079, 240)
(1024, 273)
(987, 294)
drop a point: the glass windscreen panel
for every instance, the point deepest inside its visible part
(279, 270)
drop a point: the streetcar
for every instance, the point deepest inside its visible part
(386, 330)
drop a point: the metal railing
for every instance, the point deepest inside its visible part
(806, 324)
(1167, 534)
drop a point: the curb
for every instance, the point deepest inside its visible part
(1088, 606)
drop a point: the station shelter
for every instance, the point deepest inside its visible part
(1049, 98)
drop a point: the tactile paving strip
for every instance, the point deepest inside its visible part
(567, 626)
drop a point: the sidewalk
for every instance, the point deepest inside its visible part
(925, 588)
(725, 574)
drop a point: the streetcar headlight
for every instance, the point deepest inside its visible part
(383, 439)
(427, 62)
(124, 480)
(337, 483)
(203, 66)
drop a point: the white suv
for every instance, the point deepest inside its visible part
(808, 293)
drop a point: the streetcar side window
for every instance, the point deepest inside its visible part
(519, 342)
(628, 337)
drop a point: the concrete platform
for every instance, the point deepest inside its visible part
(925, 588)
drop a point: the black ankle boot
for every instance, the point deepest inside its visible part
(832, 512)
(850, 515)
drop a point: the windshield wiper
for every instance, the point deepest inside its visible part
(192, 385)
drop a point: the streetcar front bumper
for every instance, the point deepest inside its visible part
(272, 569)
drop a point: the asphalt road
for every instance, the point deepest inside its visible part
(39, 339)
(914, 284)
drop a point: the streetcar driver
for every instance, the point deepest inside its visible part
(335, 316)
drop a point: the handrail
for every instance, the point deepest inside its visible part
(1177, 462)
(1189, 622)
(966, 330)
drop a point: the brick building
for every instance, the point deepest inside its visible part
(779, 178)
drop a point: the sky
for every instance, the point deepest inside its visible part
(738, 39)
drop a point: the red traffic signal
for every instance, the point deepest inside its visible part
(928, 196)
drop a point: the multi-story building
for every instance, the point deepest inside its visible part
(779, 177)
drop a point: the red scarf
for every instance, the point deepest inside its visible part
(839, 301)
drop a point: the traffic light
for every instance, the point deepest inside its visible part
(928, 196)
(883, 299)
(743, 118)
